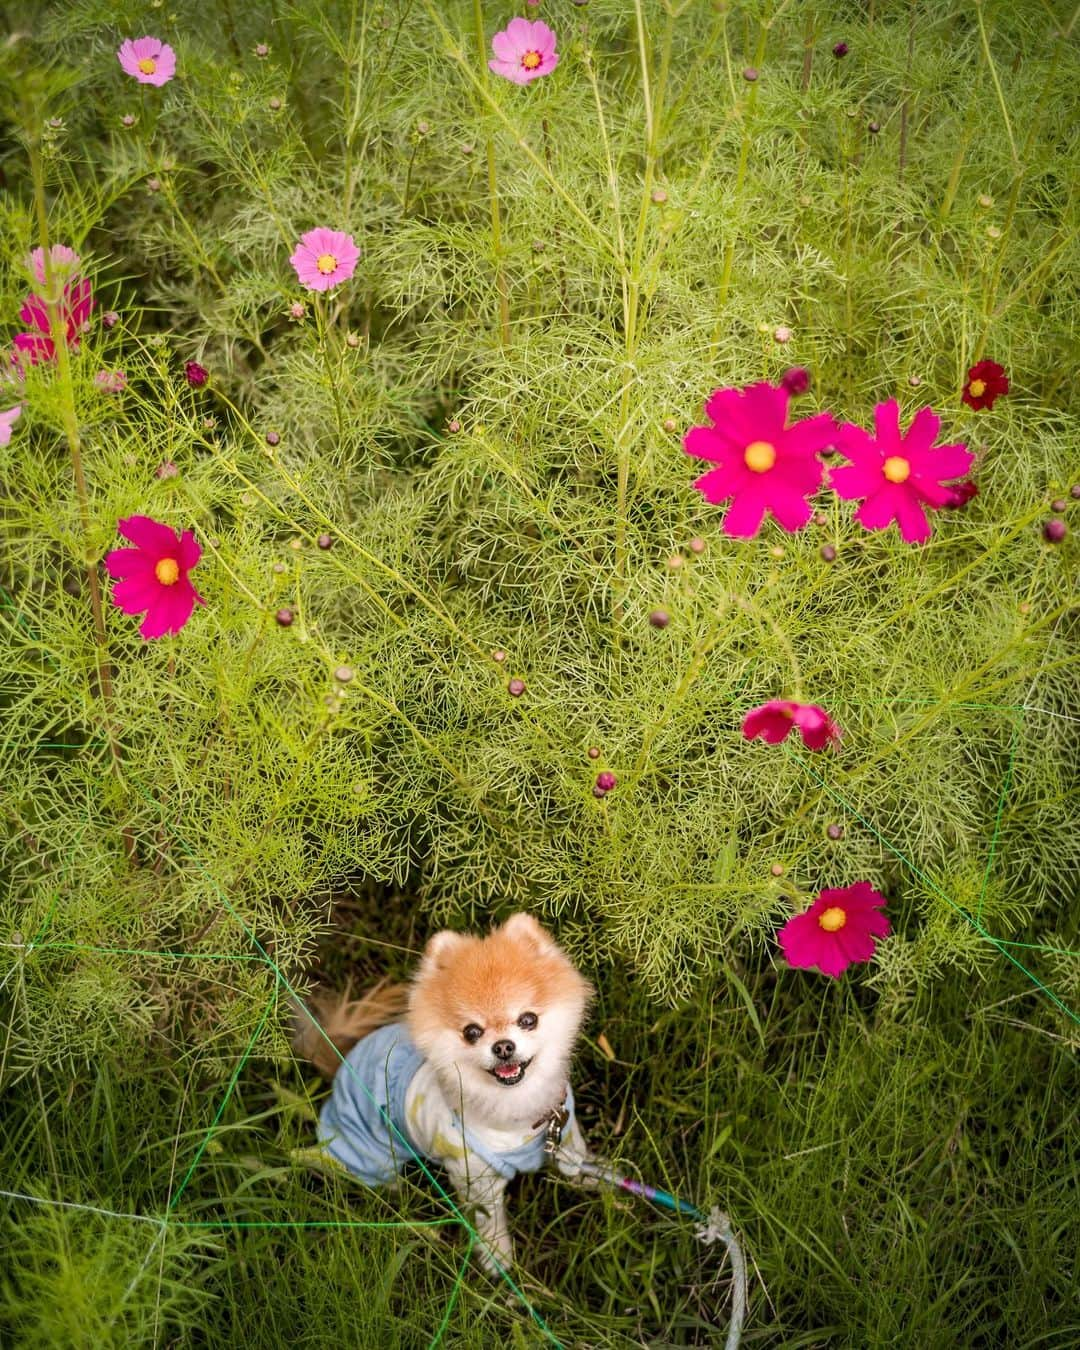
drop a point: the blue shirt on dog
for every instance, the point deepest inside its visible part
(386, 1109)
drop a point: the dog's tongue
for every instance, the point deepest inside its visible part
(507, 1070)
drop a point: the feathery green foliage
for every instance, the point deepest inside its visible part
(486, 420)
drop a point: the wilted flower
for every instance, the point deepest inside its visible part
(111, 381)
(63, 262)
(961, 493)
(774, 720)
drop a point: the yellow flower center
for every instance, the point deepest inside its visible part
(531, 60)
(977, 388)
(759, 456)
(167, 571)
(327, 263)
(896, 469)
(147, 66)
(832, 919)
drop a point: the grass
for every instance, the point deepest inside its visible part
(486, 422)
(898, 1176)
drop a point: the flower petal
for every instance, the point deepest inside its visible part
(708, 443)
(169, 611)
(887, 427)
(122, 563)
(910, 516)
(157, 539)
(190, 551)
(922, 433)
(790, 508)
(880, 508)
(503, 47)
(745, 514)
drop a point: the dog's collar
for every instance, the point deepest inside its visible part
(553, 1123)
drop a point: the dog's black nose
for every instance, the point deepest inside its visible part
(502, 1049)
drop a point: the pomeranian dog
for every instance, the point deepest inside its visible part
(466, 1066)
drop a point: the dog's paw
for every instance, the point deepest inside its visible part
(495, 1257)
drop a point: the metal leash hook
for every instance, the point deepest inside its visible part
(711, 1228)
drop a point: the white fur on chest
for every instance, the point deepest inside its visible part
(430, 1121)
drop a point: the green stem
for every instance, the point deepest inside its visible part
(1014, 196)
(625, 435)
(434, 609)
(740, 174)
(332, 376)
(69, 416)
(493, 192)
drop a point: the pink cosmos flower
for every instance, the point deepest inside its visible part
(763, 463)
(838, 929)
(6, 420)
(63, 262)
(324, 258)
(153, 576)
(148, 59)
(898, 475)
(773, 721)
(76, 306)
(524, 50)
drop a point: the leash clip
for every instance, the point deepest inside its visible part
(553, 1131)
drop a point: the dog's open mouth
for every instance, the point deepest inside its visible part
(509, 1074)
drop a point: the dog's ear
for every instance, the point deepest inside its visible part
(524, 928)
(439, 948)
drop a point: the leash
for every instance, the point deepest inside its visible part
(711, 1228)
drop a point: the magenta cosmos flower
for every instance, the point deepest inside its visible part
(898, 476)
(153, 576)
(838, 929)
(763, 463)
(524, 51)
(148, 59)
(76, 306)
(6, 421)
(324, 258)
(773, 721)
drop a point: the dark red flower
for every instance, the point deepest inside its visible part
(195, 374)
(986, 381)
(961, 494)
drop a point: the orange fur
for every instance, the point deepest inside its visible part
(491, 980)
(344, 1021)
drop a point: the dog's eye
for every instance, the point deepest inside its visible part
(527, 1021)
(472, 1033)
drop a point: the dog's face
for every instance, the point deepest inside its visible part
(498, 1017)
